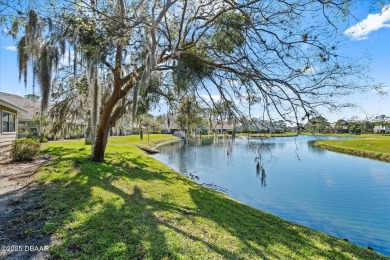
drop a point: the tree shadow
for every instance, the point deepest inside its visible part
(265, 235)
(130, 223)
(123, 209)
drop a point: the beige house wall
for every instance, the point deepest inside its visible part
(7, 138)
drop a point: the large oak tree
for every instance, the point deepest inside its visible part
(274, 56)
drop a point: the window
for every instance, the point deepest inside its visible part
(8, 122)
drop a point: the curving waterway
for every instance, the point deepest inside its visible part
(341, 195)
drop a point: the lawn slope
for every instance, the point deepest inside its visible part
(377, 147)
(134, 207)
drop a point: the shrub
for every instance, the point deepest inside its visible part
(25, 149)
(88, 141)
(43, 140)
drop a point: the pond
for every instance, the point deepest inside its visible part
(341, 195)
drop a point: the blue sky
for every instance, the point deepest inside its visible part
(369, 36)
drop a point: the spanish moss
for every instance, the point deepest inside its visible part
(22, 59)
(48, 58)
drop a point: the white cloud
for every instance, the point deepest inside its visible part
(372, 23)
(10, 47)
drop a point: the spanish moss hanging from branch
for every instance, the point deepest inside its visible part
(48, 58)
(22, 59)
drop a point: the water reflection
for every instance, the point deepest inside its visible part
(260, 172)
(314, 149)
(342, 195)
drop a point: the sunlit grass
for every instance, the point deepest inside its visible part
(371, 146)
(133, 207)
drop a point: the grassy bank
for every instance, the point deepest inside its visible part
(134, 207)
(373, 146)
(360, 136)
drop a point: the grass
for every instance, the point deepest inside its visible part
(370, 146)
(360, 136)
(134, 207)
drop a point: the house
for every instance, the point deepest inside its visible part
(170, 126)
(31, 108)
(379, 129)
(9, 117)
(220, 128)
(255, 127)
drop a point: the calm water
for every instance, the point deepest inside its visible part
(342, 195)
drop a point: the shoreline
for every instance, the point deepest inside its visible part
(350, 151)
(167, 142)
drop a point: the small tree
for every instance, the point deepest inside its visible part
(189, 114)
(341, 126)
(317, 124)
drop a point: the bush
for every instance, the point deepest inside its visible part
(25, 149)
(43, 140)
(88, 141)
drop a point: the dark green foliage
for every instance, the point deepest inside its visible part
(229, 32)
(88, 141)
(43, 140)
(191, 68)
(189, 114)
(90, 38)
(25, 149)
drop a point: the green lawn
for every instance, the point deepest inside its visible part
(371, 146)
(134, 207)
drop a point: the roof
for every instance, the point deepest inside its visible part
(12, 106)
(28, 107)
(226, 126)
(172, 126)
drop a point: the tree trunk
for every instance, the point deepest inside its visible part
(95, 105)
(108, 118)
(102, 131)
(234, 129)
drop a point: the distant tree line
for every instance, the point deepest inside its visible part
(320, 124)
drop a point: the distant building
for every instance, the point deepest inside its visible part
(381, 129)
(169, 129)
(220, 128)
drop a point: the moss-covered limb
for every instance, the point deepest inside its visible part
(376, 148)
(132, 206)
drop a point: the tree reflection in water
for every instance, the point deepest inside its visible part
(260, 172)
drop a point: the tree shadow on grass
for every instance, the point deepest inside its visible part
(101, 219)
(114, 209)
(267, 236)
